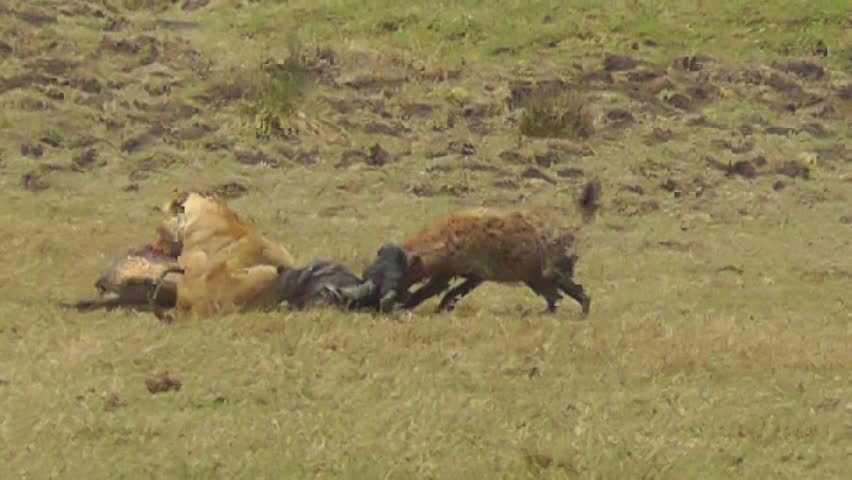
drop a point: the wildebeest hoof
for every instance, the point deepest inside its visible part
(587, 303)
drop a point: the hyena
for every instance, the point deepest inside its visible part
(479, 245)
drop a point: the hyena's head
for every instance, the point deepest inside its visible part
(387, 279)
(561, 256)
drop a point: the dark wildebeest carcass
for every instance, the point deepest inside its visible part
(317, 283)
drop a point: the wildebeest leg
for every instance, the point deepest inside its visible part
(108, 301)
(549, 291)
(448, 303)
(433, 287)
(575, 291)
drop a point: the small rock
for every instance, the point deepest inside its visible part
(131, 187)
(846, 220)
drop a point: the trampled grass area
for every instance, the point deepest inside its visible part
(718, 342)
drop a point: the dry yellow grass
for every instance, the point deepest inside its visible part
(718, 344)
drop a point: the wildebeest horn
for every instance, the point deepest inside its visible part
(358, 292)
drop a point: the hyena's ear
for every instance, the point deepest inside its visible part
(386, 249)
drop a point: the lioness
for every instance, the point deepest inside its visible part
(227, 264)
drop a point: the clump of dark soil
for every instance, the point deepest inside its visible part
(743, 168)
(378, 156)
(34, 181)
(802, 68)
(534, 173)
(794, 169)
(461, 148)
(230, 190)
(254, 157)
(84, 160)
(163, 382)
(113, 401)
(512, 156)
(615, 63)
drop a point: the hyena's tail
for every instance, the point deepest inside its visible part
(589, 200)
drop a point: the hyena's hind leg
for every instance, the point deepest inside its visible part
(448, 303)
(433, 287)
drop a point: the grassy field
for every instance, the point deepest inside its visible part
(718, 344)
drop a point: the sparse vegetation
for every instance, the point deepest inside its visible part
(278, 92)
(718, 343)
(560, 116)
